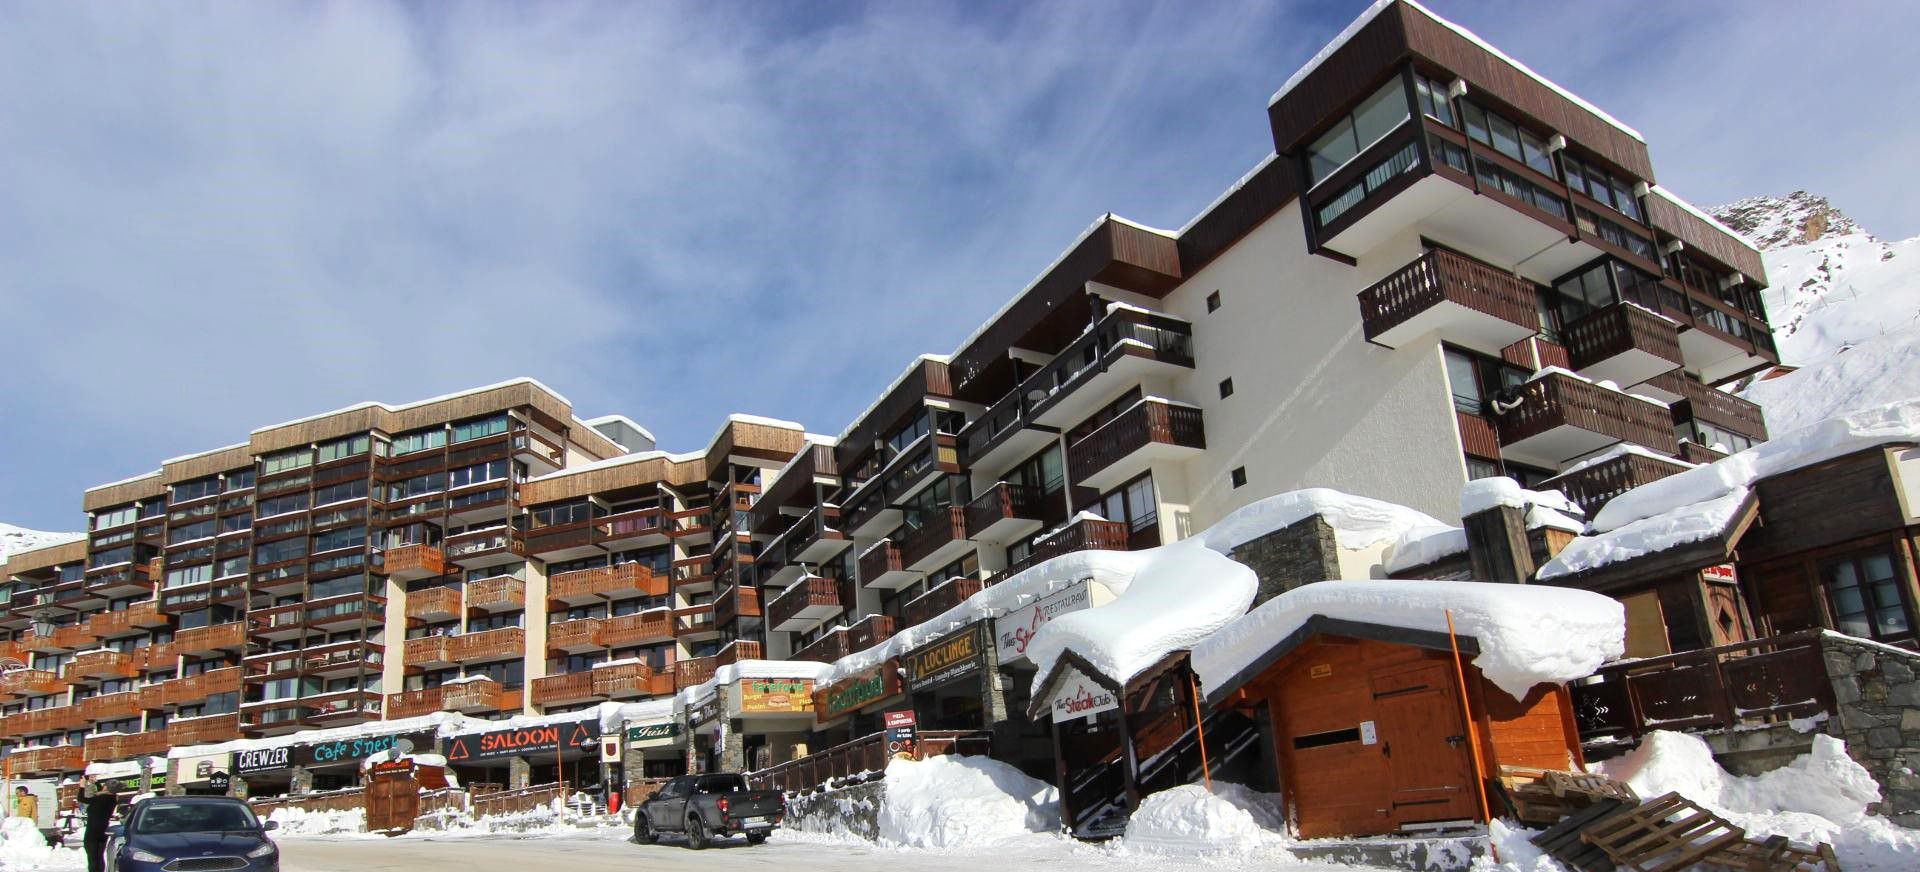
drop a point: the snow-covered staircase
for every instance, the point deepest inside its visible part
(1098, 794)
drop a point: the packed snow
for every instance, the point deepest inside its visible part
(1688, 524)
(296, 822)
(17, 539)
(1423, 545)
(1820, 797)
(1527, 634)
(1482, 494)
(1358, 522)
(1877, 370)
(1230, 820)
(963, 802)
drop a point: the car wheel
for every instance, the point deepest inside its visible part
(696, 834)
(756, 838)
(643, 830)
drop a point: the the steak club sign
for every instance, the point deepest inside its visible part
(525, 741)
(951, 657)
(262, 759)
(1077, 696)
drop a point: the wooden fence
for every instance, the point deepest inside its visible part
(1750, 683)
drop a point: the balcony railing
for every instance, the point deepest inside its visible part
(1624, 343)
(692, 671)
(123, 746)
(738, 650)
(206, 640)
(411, 703)
(59, 718)
(345, 708)
(736, 602)
(1594, 485)
(1081, 535)
(204, 730)
(562, 689)
(870, 631)
(468, 546)
(574, 636)
(135, 618)
(627, 680)
(652, 625)
(37, 761)
(807, 541)
(1004, 507)
(195, 688)
(606, 582)
(693, 621)
(941, 527)
(429, 650)
(1469, 301)
(102, 663)
(1558, 408)
(31, 682)
(811, 600)
(501, 593)
(1725, 688)
(480, 695)
(1148, 423)
(1719, 408)
(434, 604)
(501, 644)
(344, 657)
(826, 649)
(409, 562)
(938, 600)
(881, 559)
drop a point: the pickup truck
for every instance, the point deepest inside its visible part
(705, 807)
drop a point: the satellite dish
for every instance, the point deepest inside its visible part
(402, 747)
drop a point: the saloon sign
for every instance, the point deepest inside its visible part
(1077, 696)
(951, 657)
(1013, 631)
(525, 741)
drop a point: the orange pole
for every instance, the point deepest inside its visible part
(1206, 769)
(1473, 733)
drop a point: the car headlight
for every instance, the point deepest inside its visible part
(265, 850)
(145, 857)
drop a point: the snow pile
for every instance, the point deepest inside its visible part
(1692, 523)
(1423, 545)
(296, 821)
(1517, 851)
(1527, 634)
(23, 846)
(1482, 494)
(1359, 522)
(1189, 820)
(1821, 797)
(954, 802)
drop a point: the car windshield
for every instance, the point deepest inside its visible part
(158, 817)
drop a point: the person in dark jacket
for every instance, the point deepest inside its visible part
(97, 801)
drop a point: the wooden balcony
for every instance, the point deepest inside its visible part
(574, 637)
(430, 652)
(204, 730)
(692, 572)
(1692, 400)
(506, 643)
(563, 689)
(37, 644)
(1693, 452)
(123, 580)
(1081, 535)
(738, 650)
(1006, 513)
(340, 709)
(485, 547)
(115, 747)
(75, 637)
(1125, 446)
(409, 562)
(102, 663)
(277, 623)
(1465, 301)
(435, 604)
(1594, 485)
(1556, 416)
(583, 586)
(111, 706)
(214, 639)
(938, 600)
(31, 682)
(133, 619)
(940, 539)
(502, 593)
(870, 631)
(52, 719)
(153, 696)
(695, 621)
(881, 567)
(812, 538)
(640, 628)
(692, 671)
(412, 703)
(154, 658)
(736, 601)
(1623, 343)
(479, 696)
(343, 658)
(808, 602)
(630, 680)
(829, 647)
(48, 761)
(195, 688)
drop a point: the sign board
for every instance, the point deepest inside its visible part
(1720, 572)
(1369, 734)
(776, 696)
(525, 741)
(667, 731)
(1077, 696)
(903, 718)
(900, 726)
(197, 769)
(609, 749)
(355, 750)
(262, 760)
(953, 656)
(862, 690)
(389, 767)
(705, 712)
(1012, 631)
(220, 781)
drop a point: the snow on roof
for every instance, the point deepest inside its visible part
(681, 457)
(444, 723)
(203, 453)
(732, 672)
(1358, 522)
(130, 480)
(1680, 201)
(618, 419)
(1423, 545)
(808, 440)
(1482, 494)
(1693, 523)
(126, 768)
(1622, 450)
(523, 380)
(1008, 305)
(1231, 189)
(1527, 634)
(1544, 516)
(1139, 226)
(1379, 6)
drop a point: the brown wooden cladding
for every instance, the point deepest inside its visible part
(795, 484)
(208, 463)
(741, 437)
(1444, 276)
(21, 562)
(398, 419)
(1822, 505)
(145, 487)
(1618, 329)
(925, 376)
(1556, 400)
(1262, 194)
(1704, 237)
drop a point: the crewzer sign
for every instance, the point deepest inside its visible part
(525, 741)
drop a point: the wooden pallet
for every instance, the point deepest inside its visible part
(1562, 840)
(1667, 834)
(1543, 797)
(1776, 854)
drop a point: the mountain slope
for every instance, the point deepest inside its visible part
(22, 539)
(1844, 304)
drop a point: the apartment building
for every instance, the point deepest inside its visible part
(1448, 268)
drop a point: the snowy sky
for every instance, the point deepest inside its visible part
(218, 218)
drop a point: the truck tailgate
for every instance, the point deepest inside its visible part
(755, 803)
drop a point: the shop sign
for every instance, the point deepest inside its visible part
(524, 741)
(354, 750)
(220, 781)
(1014, 630)
(262, 760)
(391, 767)
(900, 727)
(951, 657)
(653, 732)
(880, 682)
(705, 712)
(1720, 572)
(901, 718)
(776, 695)
(1077, 696)
(199, 768)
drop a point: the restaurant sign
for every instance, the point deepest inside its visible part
(1014, 630)
(355, 750)
(862, 690)
(776, 696)
(1077, 696)
(262, 760)
(525, 741)
(951, 657)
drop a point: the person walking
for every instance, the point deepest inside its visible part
(98, 800)
(26, 805)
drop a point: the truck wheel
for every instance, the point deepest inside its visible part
(643, 830)
(756, 838)
(696, 834)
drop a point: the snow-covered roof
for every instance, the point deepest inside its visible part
(1482, 494)
(1358, 522)
(128, 480)
(1527, 634)
(371, 404)
(807, 441)
(205, 453)
(1622, 450)
(693, 696)
(1379, 6)
(898, 380)
(681, 457)
(1423, 545)
(619, 419)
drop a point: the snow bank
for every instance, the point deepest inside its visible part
(296, 821)
(1820, 797)
(23, 847)
(1358, 522)
(1423, 545)
(1528, 634)
(1482, 494)
(1188, 820)
(954, 801)
(1879, 370)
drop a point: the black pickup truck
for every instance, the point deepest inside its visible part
(706, 807)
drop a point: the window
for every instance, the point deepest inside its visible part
(1492, 175)
(1238, 476)
(351, 446)
(1378, 115)
(1865, 594)
(930, 499)
(111, 557)
(1612, 232)
(122, 515)
(277, 552)
(235, 523)
(480, 429)
(1432, 96)
(285, 460)
(1105, 413)
(190, 532)
(280, 505)
(1043, 472)
(345, 537)
(352, 584)
(335, 493)
(422, 441)
(1213, 302)
(1135, 504)
(240, 480)
(1482, 468)
(1376, 178)
(231, 566)
(193, 490)
(1474, 379)
(1720, 439)
(478, 473)
(1226, 388)
(418, 485)
(189, 575)
(1612, 191)
(899, 439)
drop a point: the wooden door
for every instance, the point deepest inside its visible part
(1424, 740)
(393, 801)
(1336, 785)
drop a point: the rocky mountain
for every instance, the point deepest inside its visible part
(1845, 307)
(22, 539)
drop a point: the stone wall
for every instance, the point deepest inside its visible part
(854, 809)
(1302, 553)
(1752, 752)
(1876, 694)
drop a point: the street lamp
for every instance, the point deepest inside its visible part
(43, 623)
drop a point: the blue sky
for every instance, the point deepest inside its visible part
(223, 217)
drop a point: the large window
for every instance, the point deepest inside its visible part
(1474, 379)
(1135, 504)
(190, 532)
(335, 493)
(422, 441)
(480, 429)
(1612, 191)
(276, 552)
(568, 513)
(351, 446)
(1504, 136)
(345, 537)
(494, 470)
(418, 485)
(193, 490)
(1864, 591)
(189, 575)
(1044, 473)
(116, 517)
(280, 505)
(1378, 115)
(286, 460)
(1432, 95)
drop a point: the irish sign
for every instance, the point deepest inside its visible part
(525, 741)
(666, 731)
(1077, 696)
(776, 695)
(950, 657)
(1014, 630)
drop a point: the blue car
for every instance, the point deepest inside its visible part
(192, 834)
